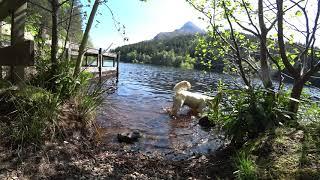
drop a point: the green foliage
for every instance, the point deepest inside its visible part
(34, 109)
(247, 168)
(33, 113)
(133, 56)
(66, 84)
(244, 113)
(63, 84)
(211, 52)
(188, 62)
(309, 111)
(39, 21)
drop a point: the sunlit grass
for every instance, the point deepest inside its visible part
(246, 167)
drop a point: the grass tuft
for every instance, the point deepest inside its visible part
(247, 168)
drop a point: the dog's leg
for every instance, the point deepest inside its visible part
(201, 107)
(203, 104)
(177, 104)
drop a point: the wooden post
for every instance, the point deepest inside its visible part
(68, 54)
(17, 36)
(20, 54)
(113, 62)
(100, 64)
(118, 62)
(1, 24)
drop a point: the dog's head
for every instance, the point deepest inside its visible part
(182, 86)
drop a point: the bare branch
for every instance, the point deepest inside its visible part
(249, 16)
(245, 28)
(38, 5)
(214, 29)
(239, 61)
(274, 7)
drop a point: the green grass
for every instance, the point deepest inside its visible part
(35, 113)
(86, 102)
(281, 153)
(247, 168)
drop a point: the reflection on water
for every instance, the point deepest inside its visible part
(143, 92)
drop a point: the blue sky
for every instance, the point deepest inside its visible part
(143, 20)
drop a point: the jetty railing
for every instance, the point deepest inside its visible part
(95, 59)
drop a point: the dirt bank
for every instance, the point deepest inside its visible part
(81, 158)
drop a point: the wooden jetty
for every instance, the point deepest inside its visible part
(97, 61)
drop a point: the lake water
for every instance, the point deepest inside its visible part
(143, 92)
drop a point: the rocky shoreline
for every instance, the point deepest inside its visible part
(83, 158)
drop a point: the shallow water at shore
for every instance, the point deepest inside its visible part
(143, 92)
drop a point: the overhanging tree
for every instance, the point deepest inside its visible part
(266, 21)
(60, 24)
(307, 56)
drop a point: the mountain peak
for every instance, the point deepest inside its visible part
(190, 27)
(187, 29)
(189, 24)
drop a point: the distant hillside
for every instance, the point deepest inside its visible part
(169, 51)
(187, 29)
(175, 48)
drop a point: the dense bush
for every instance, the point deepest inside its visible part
(244, 113)
(62, 83)
(34, 110)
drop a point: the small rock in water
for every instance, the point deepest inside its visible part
(205, 122)
(129, 137)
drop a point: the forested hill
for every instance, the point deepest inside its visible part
(169, 52)
(175, 48)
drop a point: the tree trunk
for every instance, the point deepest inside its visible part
(296, 94)
(282, 47)
(85, 38)
(54, 35)
(265, 71)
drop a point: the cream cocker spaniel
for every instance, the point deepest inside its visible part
(196, 101)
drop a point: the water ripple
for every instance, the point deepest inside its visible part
(143, 91)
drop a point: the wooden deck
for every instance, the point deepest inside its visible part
(106, 72)
(98, 62)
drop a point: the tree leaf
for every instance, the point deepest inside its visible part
(298, 13)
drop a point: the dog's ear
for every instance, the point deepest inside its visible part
(183, 85)
(189, 85)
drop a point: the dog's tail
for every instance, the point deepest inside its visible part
(182, 86)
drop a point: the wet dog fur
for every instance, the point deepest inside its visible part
(196, 101)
